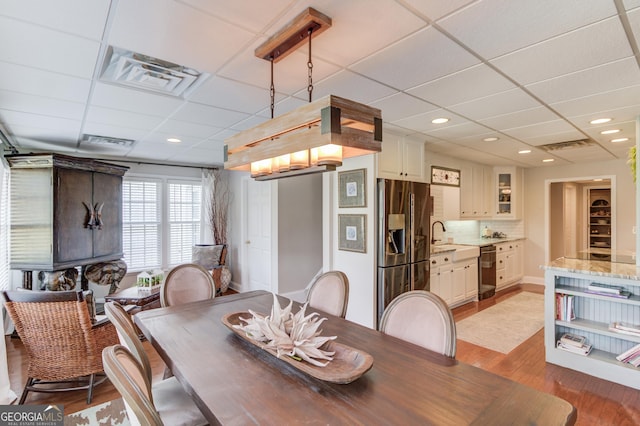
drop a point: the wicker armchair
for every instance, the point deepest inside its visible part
(62, 344)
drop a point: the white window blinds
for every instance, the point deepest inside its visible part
(184, 220)
(141, 229)
(4, 227)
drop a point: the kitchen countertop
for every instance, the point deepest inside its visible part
(595, 267)
(481, 242)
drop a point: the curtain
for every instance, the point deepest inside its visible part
(6, 394)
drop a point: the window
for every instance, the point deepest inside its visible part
(184, 220)
(141, 235)
(159, 233)
(4, 228)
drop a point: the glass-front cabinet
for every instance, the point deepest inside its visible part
(508, 192)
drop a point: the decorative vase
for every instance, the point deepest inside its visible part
(225, 279)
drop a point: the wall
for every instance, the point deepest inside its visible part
(359, 267)
(535, 181)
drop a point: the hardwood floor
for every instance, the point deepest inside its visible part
(598, 402)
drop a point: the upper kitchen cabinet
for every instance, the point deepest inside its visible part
(65, 211)
(476, 189)
(401, 159)
(508, 193)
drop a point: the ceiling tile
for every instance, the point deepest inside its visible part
(422, 122)
(495, 27)
(498, 104)
(531, 131)
(436, 9)
(630, 4)
(42, 48)
(100, 129)
(452, 133)
(176, 32)
(472, 83)
(63, 138)
(634, 21)
(202, 154)
(211, 116)
(34, 81)
(604, 78)
(66, 13)
(584, 154)
(599, 102)
(351, 86)
(21, 102)
(424, 56)
(544, 139)
(116, 117)
(401, 105)
(183, 129)
(232, 95)
(13, 118)
(587, 47)
(128, 99)
(256, 15)
(520, 118)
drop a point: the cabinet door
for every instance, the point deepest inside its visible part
(446, 283)
(434, 282)
(73, 239)
(107, 195)
(458, 277)
(390, 158)
(466, 192)
(413, 161)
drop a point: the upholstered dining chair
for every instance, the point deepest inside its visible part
(167, 396)
(62, 344)
(422, 318)
(187, 283)
(330, 293)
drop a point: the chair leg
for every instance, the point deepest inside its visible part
(90, 391)
(30, 381)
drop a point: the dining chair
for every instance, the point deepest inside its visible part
(330, 293)
(62, 344)
(167, 396)
(422, 318)
(186, 283)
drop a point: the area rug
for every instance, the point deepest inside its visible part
(506, 325)
(111, 413)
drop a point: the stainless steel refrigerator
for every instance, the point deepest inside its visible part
(404, 210)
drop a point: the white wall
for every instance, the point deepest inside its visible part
(534, 202)
(360, 268)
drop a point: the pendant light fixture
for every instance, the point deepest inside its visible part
(313, 138)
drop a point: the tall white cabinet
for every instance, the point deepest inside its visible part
(402, 159)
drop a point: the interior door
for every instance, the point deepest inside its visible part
(257, 199)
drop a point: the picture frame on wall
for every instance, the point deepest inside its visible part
(352, 230)
(353, 188)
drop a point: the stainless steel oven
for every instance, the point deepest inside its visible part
(487, 272)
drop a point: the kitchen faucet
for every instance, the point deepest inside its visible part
(433, 240)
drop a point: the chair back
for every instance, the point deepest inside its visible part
(128, 377)
(52, 326)
(330, 293)
(128, 335)
(186, 283)
(422, 318)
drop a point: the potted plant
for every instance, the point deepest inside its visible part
(218, 214)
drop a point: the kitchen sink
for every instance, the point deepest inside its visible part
(460, 252)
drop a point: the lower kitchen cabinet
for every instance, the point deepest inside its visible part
(455, 282)
(441, 276)
(509, 265)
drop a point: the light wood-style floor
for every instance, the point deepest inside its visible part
(598, 402)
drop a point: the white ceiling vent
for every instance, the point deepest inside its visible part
(558, 146)
(148, 73)
(107, 141)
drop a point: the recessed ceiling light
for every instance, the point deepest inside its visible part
(620, 140)
(524, 151)
(439, 120)
(600, 120)
(174, 140)
(609, 132)
(490, 139)
(548, 160)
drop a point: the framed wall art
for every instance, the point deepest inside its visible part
(445, 176)
(352, 230)
(353, 188)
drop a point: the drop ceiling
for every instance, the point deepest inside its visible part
(529, 72)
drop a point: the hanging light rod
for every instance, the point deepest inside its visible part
(293, 35)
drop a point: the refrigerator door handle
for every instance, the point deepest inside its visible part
(412, 237)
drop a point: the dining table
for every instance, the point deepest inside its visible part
(235, 382)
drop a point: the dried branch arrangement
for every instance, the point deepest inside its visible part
(293, 335)
(218, 206)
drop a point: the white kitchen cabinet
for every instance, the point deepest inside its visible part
(446, 202)
(476, 183)
(508, 193)
(471, 279)
(509, 269)
(401, 159)
(458, 277)
(441, 276)
(465, 281)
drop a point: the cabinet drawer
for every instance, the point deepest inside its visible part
(444, 259)
(501, 261)
(501, 277)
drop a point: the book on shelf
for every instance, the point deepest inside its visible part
(584, 350)
(625, 328)
(622, 295)
(632, 354)
(606, 288)
(564, 307)
(573, 339)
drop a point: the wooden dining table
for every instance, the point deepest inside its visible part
(234, 382)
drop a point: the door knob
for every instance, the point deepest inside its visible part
(248, 242)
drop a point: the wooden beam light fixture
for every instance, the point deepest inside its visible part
(313, 138)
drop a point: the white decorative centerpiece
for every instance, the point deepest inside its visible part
(293, 335)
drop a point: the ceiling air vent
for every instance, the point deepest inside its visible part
(558, 146)
(145, 72)
(107, 141)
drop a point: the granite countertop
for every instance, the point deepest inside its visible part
(481, 242)
(595, 267)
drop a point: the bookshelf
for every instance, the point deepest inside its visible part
(594, 313)
(600, 218)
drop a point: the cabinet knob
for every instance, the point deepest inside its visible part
(446, 259)
(433, 262)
